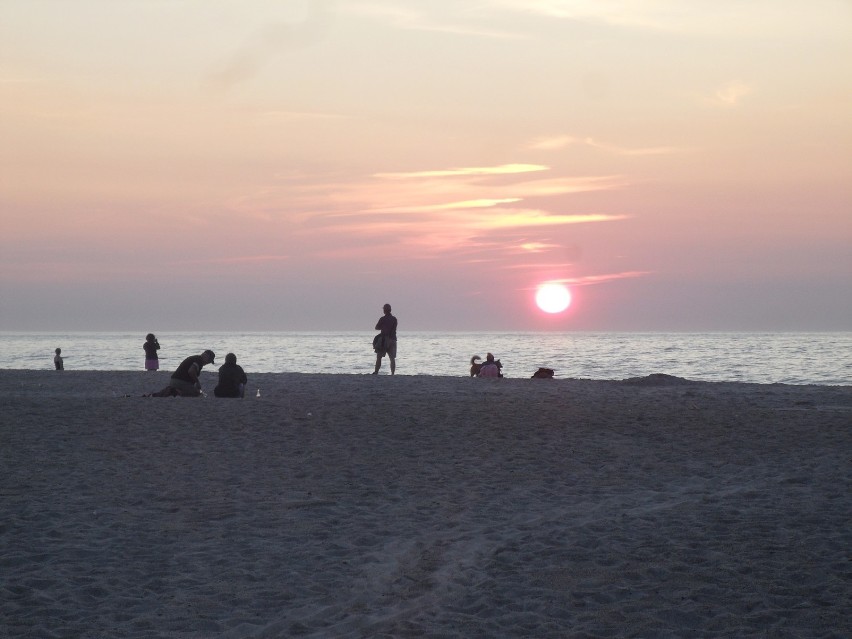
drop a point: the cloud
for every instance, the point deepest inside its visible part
(525, 218)
(584, 280)
(276, 117)
(568, 185)
(730, 95)
(430, 194)
(536, 247)
(450, 206)
(617, 150)
(728, 18)
(8, 79)
(654, 15)
(242, 259)
(459, 224)
(555, 143)
(450, 194)
(503, 169)
(492, 232)
(589, 280)
(270, 41)
(552, 143)
(486, 211)
(413, 20)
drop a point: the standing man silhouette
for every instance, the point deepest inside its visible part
(385, 343)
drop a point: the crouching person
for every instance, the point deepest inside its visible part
(184, 381)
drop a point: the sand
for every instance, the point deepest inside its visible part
(379, 506)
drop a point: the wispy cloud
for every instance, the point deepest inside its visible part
(9, 79)
(503, 169)
(558, 142)
(730, 95)
(589, 280)
(429, 194)
(485, 212)
(552, 143)
(536, 247)
(526, 218)
(487, 18)
(242, 259)
(584, 280)
(723, 17)
(449, 206)
(655, 15)
(617, 150)
(270, 41)
(418, 20)
(567, 185)
(274, 117)
(463, 227)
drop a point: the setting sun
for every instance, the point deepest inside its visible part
(553, 298)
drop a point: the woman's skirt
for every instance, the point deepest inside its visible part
(152, 364)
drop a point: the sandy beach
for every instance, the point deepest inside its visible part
(379, 506)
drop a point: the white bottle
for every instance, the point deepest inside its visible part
(258, 393)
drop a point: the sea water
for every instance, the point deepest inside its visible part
(789, 358)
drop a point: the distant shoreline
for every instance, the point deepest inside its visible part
(792, 358)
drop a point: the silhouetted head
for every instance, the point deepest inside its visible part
(150, 337)
(387, 309)
(489, 358)
(58, 350)
(230, 358)
(209, 356)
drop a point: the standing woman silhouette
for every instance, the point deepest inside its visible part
(151, 346)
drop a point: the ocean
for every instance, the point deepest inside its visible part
(787, 358)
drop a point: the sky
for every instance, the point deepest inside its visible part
(294, 165)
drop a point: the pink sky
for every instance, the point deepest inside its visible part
(294, 165)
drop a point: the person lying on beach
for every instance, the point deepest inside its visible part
(232, 378)
(184, 381)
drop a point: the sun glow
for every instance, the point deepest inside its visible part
(552, 297)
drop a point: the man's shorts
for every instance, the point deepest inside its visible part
(389, 348)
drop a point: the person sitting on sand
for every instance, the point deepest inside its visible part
(232, 378)
(58, 362)
(490, 367)
(184, 381)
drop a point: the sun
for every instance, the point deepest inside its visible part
(552, 297)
